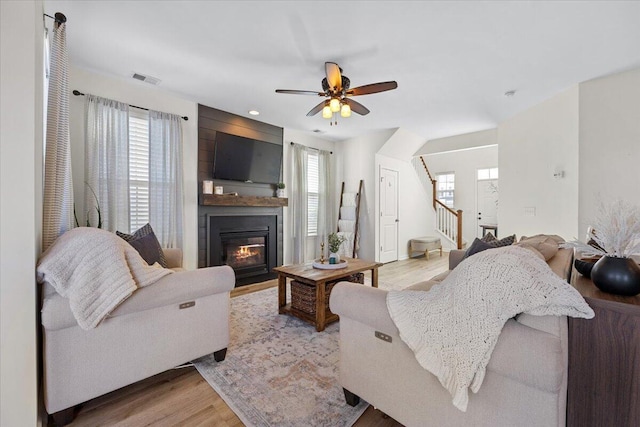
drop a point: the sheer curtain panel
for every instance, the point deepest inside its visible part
(299, 203)
(165, 178)
(58, 183)
(107, 163)
(326, 223)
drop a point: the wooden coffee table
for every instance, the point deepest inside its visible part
(305, 273)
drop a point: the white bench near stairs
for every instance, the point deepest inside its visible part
(426, 244)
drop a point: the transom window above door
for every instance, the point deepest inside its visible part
(488, 173)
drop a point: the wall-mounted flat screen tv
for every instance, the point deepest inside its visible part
(243, 159)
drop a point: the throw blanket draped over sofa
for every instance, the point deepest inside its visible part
(453, 328)
(96, 270)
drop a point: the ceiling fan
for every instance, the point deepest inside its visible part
(337, 93)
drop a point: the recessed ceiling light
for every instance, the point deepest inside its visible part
(254, 112)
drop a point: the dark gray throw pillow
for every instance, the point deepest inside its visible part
(150, 246)
(477, 246)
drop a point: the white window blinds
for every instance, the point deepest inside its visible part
(312, 194)
(138, 168)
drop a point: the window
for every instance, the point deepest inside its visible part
(490, 173)
(138, 168)
(446, 188)
(313, 181)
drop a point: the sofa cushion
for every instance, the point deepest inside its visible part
(546, 245)
(172, 289)
(153, 250)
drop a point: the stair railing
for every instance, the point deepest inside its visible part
(448, 221)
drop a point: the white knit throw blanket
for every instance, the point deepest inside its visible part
(96, 270)
(453, 328)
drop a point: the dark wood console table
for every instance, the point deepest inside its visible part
(604, 360)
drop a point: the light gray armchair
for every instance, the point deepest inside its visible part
(181, 317)
(525, 382)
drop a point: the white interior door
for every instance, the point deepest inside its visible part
(487, 206)
(388, 215)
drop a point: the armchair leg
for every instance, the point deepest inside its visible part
(64, 417)
(220, 355)
(352, 399)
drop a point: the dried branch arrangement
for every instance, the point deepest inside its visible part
(616, 230)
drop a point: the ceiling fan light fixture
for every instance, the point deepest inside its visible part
(326, 112)
(345, 111)
(334, 104)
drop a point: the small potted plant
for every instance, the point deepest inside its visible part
(280, 189)
(334, 246)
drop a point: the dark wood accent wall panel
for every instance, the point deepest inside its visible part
(210, 121)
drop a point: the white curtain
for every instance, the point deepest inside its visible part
(107, 163)
(165, 178)
(326, 214)
(58, 183)
(298, 209)
(299, 199)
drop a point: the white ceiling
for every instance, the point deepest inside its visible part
(453, 61)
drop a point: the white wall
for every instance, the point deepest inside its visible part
(465, 164)
(358, 162)
(21, 41)
(609, 143)
(144, 95)
(532, 146)
(308, 140)
(415, 212)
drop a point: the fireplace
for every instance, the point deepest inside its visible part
(247, 243)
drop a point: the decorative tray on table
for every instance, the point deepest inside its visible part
(327, 266)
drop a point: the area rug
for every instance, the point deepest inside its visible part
(279, 371)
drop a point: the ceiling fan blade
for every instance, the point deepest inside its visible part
(334, 78)
(299, 92)
(372, 88)
(357, 107)
(315, 110)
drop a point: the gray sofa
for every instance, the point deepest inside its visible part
(183, 316)
(525, 383)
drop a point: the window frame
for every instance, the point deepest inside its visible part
(447, 200)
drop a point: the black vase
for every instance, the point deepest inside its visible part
(619, 276)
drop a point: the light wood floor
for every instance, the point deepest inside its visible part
(182, 397)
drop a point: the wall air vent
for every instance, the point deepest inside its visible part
(146, 79)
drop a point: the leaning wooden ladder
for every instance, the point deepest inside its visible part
(346, 226)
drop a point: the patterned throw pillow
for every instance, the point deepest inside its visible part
(506, 241)
(146, 243)
(480, 245)
(489, 237)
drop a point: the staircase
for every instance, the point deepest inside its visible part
(448, 221)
